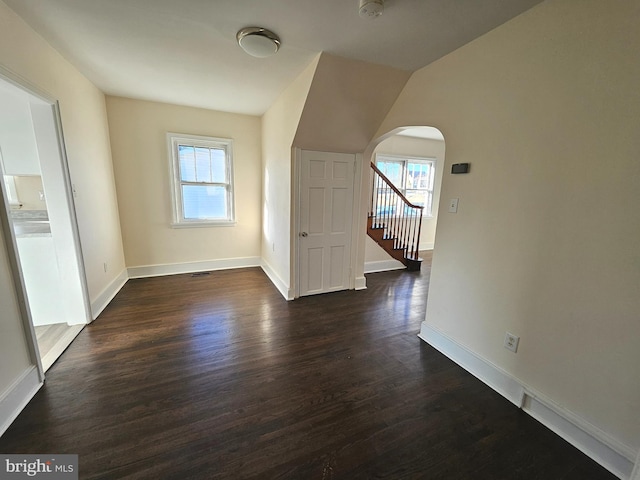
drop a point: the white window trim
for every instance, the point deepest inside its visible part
(175, 139)
(405, 159)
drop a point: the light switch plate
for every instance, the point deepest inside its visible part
(453, 205)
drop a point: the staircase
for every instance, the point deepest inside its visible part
(394, 223)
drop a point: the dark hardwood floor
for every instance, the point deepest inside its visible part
(216, 376)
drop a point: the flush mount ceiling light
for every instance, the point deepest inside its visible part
(258, 42)
(371, 8)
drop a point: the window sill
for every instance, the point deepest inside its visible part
(203, 224)
(396, 217)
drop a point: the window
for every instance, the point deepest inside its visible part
(202, 175)
(11, 191)
(414, 177)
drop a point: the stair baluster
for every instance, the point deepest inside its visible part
(394, 222)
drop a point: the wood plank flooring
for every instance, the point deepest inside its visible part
(217, 377)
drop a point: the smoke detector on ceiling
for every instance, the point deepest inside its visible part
(371, 8)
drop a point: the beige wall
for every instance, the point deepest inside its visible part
(141, 163)
(84, 122)
(279, 126)
(346, 103)
(25, 55)
(545, 241)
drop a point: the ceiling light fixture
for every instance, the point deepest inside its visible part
(258, 42)
(371, 8)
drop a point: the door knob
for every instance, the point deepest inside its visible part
(304, 234)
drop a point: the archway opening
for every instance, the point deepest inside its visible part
(413, 158)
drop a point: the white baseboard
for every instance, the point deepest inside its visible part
(282, 287)
(103, 299)
(635, 475)
(489, 373)
(383, 266)
(589, 439)
(613, 455)
(145, 271)
(16, 397)
(60, 346)
(361, 283)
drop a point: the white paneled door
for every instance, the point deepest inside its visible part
(326, 211)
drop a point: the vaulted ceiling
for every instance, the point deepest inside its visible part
(185, 51)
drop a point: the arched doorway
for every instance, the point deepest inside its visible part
(399, 152)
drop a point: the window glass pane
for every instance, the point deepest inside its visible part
(203, 165)
(417, 197)
(414, 178)
(186, 155)
(218, 165)
(413, 173)
(423, 198)
(204, 202)
(391, 170)
(418, 175)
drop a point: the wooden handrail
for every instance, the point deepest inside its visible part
(394, 188)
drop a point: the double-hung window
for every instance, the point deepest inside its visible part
(414, 177)
(202, 176)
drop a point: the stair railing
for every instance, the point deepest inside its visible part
(390, 209)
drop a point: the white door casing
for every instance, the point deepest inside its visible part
(325, 226)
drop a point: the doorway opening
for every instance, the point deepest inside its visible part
(324, 246)
(42, 233)
(414, 158)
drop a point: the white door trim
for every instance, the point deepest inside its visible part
(295, 215)
(68, 187)
(23, 84)
(359, 222)
(17, 275)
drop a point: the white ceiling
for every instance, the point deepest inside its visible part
(185, 51)
(428, 133)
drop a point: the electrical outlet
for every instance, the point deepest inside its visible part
(511, 342)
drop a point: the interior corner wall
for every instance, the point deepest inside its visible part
(142, 171)
(346, 103)
(545, 241)
(279, 125)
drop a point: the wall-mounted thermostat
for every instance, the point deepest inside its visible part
(460, 168)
